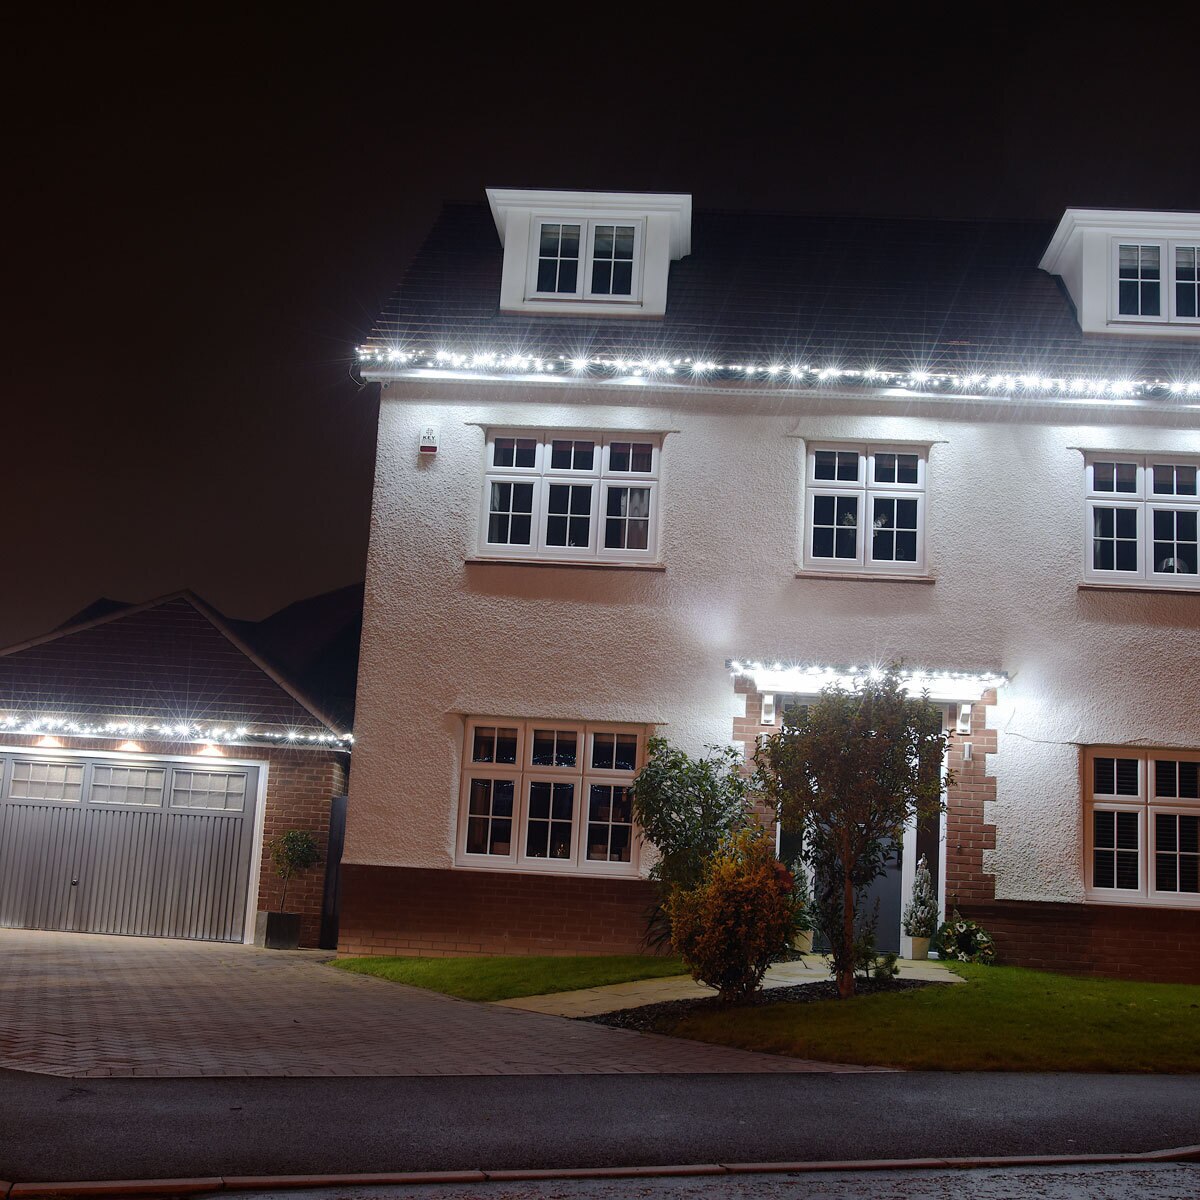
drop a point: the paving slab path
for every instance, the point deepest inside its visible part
(591, 1002)
(87, 1005)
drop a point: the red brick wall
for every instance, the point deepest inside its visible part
(300, 784)
(967, 836)
(1111, 940)
(397, 910)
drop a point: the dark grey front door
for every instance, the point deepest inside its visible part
(148, 847)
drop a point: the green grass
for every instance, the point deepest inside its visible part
(1002, 1019)
(503, 978)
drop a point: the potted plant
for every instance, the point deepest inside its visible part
(802, 936)
(920, 919)
(293, 851)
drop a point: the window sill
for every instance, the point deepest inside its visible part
(866, 577)
(570, 872)
(1154, 589)
(1138, 901)
(574, 563)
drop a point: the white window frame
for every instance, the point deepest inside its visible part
(600, 478)
(1145, 501)
(866, 491)
(524, 773)
(587, 235)
(1168, 300)
(1146, 805)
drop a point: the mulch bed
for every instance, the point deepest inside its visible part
(662, 1018)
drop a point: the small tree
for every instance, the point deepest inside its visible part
(731, 925)
(293, 851)
(851, 770)
(686, 806)
(920, 918)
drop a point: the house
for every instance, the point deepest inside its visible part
(643, 471)
(148, 755)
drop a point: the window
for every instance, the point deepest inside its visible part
(1143, 520)
(1143, 825)
(595, 259)
(548, 796)
(571, 496)
(46, 781)
(1155, 281)
(865, 509)
(134, 787)
(221, 790)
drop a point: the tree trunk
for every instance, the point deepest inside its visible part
(845, 980)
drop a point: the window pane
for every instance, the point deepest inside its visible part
(46, 781)
(1115, 777)
(1114, 477)
(224, 791)
(1114, 539)
(835, 527)
(1174, 480)
(1175, 542)
(840, 465)
(139, 787)
(510, 519)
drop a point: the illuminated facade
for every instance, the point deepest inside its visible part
(642, 472)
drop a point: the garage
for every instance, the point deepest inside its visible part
(151, 753)
(102, 844)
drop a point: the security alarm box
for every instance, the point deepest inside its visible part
(429, 440)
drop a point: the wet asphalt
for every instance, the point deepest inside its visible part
(68, 1129)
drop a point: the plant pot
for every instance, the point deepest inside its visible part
(920, 949)
(277, 931)
(802, 942)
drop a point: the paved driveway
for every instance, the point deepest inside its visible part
(88, 1005)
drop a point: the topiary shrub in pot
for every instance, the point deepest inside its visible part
(920, 920)
(291, 852)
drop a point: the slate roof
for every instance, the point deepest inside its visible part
(823, 291)
(173, 660)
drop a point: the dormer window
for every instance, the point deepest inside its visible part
(1132, 273)
(585, 259)
(589, 253)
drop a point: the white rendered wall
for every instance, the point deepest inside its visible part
(1005, 526)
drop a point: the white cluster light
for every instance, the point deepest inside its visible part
(807, 679)
(913, 379)
(188, 731)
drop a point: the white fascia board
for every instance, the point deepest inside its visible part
(676, 205)
(1130, 222)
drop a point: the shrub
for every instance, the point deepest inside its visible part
(293, 851)
(921, 915)
(730, 925)
(965, 941)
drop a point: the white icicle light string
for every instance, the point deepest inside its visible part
(810, 678)
(17, 723)
(794, 374)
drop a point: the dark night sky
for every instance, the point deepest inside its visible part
(209, 211)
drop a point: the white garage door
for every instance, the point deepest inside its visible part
(154, 848)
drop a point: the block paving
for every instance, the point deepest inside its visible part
(88, 1005)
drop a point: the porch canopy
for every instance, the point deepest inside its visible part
(807, 679)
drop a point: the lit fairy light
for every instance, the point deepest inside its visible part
(779, 374)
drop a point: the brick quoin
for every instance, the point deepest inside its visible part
(300, 785)
(442, 913)
(967, 836)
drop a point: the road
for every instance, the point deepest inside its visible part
(1167, 1181)
(62, 1129)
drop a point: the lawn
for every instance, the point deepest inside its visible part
(502, 978)
(1002, 1019)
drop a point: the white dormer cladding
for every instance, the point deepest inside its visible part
(589, 253)
(1130, 272)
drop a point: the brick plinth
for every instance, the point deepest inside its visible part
(397, 910)
(1157, 944)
